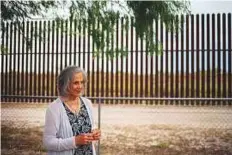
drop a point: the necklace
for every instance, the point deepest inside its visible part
(75, 109)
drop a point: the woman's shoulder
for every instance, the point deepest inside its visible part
(55, 104)
(87, 101)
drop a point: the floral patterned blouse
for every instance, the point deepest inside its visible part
(80, 123)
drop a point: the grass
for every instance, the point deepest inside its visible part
(129, 140)
(163, 145)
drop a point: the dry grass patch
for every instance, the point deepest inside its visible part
(170, 140)
(130, 140)
(21, 140)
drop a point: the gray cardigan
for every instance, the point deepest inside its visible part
(58, 136)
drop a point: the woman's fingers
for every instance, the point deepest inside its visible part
(83, 139)
(96, 131)
(96, 134)
(87, 138)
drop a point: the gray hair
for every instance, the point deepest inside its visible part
(65, 77)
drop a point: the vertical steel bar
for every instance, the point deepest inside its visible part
(61, 44)
(10, 78)
(162, 62)
(15, 89)
(71, 57)
(66, 44)
(224, 56)
(198, 56)
(44, 53)
(166, 66)
(146, 76)
(107, 65)
(98, 66)
(84, 42)
(31, 61)
(41, 34)
(18, 82)
(192, 58)
(127, 66)
(80, 40)
(93, 82)
(103, 71)
(57, 53)
(177, 58)
(7, 62)
(26, 61)
(136, 68)
(75, 42)
(43, 79)
(187, 59)
(22, 64)
(156, 61)
(172, 65)
(112, 68)
(122, 88)
(142, 84)
(213, 56)
(132, 63)
(35, 81)
(3, 60)
(53, 78)
(219, 55)
(208, 55)
(42, 63)
(182, 58)
(151, 94)
(47, 54)
(203, 56)
(229, 56)
(117, 84)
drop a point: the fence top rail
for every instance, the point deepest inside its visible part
(129, 98)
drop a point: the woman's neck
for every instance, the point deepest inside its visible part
(70, 99)
(72, 103)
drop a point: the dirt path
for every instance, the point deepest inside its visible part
(206, 117)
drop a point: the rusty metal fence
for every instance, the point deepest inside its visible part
(196, 62)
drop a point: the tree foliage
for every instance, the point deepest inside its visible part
(20, 10)
(102, 16)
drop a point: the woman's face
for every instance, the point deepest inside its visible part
(76, 86)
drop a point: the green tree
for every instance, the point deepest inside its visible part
(19, 10)
(102, 16)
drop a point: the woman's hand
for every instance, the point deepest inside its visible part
(87, 138)
(96, 134)
(84, 139)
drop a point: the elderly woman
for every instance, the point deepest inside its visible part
(69, 125)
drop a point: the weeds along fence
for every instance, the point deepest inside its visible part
(196, 61)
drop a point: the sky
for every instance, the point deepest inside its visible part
(213, 6)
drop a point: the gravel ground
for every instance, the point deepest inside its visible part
(144, 130)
